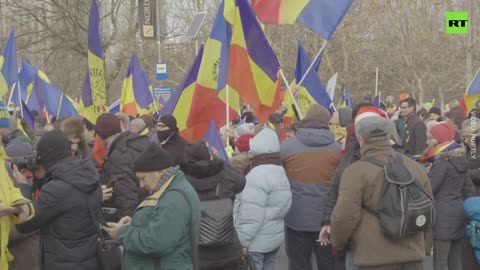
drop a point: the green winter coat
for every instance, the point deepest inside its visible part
(160, 229)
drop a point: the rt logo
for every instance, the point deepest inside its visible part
(456, 22)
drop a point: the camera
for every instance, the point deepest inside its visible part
(28, 161)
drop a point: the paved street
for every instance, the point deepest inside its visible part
(282, 261)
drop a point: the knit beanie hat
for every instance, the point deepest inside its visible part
(18, 149)
(197, 151)
(345, 116)
(155, 158)
(435, 110)
(169, 121)
(319, 112)
(243, 143)
(443, 132)
(248, 128)
(107, 125)
(52, 147)
(4, 116)
(371, 122)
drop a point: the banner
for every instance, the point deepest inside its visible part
(147, 15)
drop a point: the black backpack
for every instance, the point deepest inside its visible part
(216, 224)
(404, 208)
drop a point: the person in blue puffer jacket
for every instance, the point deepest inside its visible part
(260, 210)
(472, 212)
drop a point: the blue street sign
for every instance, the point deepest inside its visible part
(161, 72)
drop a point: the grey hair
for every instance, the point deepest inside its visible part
(473, 124)
(124, 119)
(139, 123)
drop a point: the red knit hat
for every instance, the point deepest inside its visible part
(107, 125)
(443, 132)
(243, 142)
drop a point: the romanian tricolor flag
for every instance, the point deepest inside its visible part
(320, 16)
(472, 96)
(209, 95)
(137, 92)
(94, 98)
(179, 103)
(253, 66)
(8, 64)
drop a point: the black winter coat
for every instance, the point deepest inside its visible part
(451, 185)
(117, 172)
(68, 236)
(473, 156)
(176, 147)
(351, 155)
(205, 177)
(416, 140)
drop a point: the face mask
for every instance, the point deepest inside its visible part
(163, 135)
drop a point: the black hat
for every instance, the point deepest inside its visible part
(52, 147)
(169, 121)
(435, 110)
(197, 151)
(155, 158)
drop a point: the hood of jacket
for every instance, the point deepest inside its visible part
(130, 140)
(265, 142)
(80, 173)
(203, 175)
(456, 157)
(315, 137)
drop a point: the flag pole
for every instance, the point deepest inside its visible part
(227, 109)
(291, 94)
(20, 98)
(313, 63)
(376, 82)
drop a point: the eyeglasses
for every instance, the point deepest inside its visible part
(404, 107)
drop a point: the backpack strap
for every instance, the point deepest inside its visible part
(381, 164)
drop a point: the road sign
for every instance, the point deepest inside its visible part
(162, 72)
(162, 94)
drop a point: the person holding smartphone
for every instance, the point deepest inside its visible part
(70, 194)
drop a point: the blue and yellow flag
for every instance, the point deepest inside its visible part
(45, 95)
(8, 64)
(25, 82)
(312, 90)
(96, 71)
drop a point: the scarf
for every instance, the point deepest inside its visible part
(429, 157)
(264, 159)
(165, 177)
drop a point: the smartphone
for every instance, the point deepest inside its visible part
(109, 211)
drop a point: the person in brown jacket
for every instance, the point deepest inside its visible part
(360, 187)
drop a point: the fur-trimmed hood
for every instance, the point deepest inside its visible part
(203, 175)
(457, 157)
